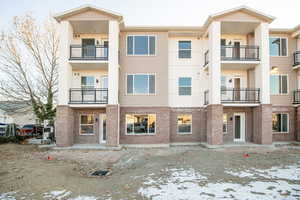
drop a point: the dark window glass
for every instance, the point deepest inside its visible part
(130, 45)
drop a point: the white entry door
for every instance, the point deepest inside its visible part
(102, 129)
(239, 127)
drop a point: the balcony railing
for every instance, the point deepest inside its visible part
(91, 52)
(206, 58)
(296, 97)
(88, 96)
(240, 53)
(240, 95)
(296, 58)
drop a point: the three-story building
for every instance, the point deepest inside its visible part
(231, 80)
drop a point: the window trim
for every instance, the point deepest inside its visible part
(143, 134)
(133, 54)
(187, 133)
(288, 86)
(141, 94)
(178, 49)
(94, 131)
(287, 45)
(185, 86)
(288, 123)
(226, 132)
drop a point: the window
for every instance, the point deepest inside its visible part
(140, 124)
(184, 49)
(140, 84)
(278, 46)
(280, 122)
(86, 124)
(224, 123)
(140, 45)
(185, 86)
(87, 82)
(279, 84)
(184, 124)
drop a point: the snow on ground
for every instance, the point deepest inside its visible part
(190, 184)
(52, 195)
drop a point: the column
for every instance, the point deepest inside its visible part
(113, 109)
(214, 115)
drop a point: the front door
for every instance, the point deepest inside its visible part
(236, 51)
(239, 127)
(237, 87)
(88, 48)
(102, 125)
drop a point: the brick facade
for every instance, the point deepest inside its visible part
(214, 120)
(64, 126)
(262, 124)
(112, 124)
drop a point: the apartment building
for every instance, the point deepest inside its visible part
(231, 80)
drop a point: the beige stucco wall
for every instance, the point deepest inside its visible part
(285, 66)
(157, 64)
(98, 38)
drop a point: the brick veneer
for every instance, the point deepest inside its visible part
(262, 124)
(297, 120)
(291, 135)
(214, 120)
(198, 125)
(162, 135)
(112, 124)
(64, 126)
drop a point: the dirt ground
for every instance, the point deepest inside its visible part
(156, 173)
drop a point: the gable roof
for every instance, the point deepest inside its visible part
(60, 16)
(244, 9)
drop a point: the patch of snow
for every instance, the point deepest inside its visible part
(8, 196)
(85, 198)
(56, 194)
(189, 184)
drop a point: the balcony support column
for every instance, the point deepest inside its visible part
(298, 123)
(262, 71)
(64, 69)
(262, 124)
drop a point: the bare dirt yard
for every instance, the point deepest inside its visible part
(176, 173)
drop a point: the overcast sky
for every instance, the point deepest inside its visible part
(156, 12)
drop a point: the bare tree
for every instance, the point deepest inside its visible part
(29, 64)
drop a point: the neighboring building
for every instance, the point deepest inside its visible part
(19, 113)
(231, 80)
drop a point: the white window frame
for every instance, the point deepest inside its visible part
(86, 124)
(141, 94)
(287, 46)
(225, 132)
(191, 124)
(137, 134)
(288, 122)
(287, 78)
(178, 46)
(185, 86)
(133, 43)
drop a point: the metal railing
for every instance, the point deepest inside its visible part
(206, 58)
(90, 52)
(88, 96)
(296, 58)
(239, 53)
(240, 95)
(206, 98)
(296, 97)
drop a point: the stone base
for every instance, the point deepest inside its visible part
(262, 124)
(214, 122)
(64, 126)
(297, 119)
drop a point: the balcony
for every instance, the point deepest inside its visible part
(237, 96)
(296, 96)
(89, 53)
(296, 56)
(88, 96)
(239, 53)
(240, 95)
